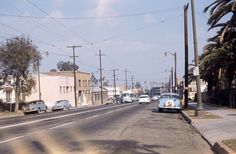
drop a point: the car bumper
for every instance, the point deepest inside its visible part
(56, 109)
(28, 111)
(170, 107)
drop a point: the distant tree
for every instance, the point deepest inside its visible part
(137, 85)
(94, 80)
(18, 57)
(66, 66)
(53, 70)
(106, 83)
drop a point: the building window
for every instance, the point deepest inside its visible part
(67, 89)
(79, 83)
(60, 89)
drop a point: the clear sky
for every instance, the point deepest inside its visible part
(132, 34)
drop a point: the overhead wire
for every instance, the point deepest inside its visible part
(91, 17)
(60, 23)
(134, 30)
(48, 30)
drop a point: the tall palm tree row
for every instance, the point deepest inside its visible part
(218, 60)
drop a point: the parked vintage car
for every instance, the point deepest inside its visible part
(169, 101)
(144, 99)
(61, 105)
(35, 106)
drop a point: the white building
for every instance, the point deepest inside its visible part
(192, 88)
(53, 88)
(111, 91)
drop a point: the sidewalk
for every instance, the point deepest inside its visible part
(10, 114)
(217, 126)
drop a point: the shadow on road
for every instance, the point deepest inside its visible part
(126, 146)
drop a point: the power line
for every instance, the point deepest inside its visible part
(48, 30)
(60, 23)
(135, 30)
(91, 17)
(18, 31)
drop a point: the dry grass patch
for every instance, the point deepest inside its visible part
(231, 143)
(204, 115)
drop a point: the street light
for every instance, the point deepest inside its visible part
(175, 65)
(171, 79)
(39, 84)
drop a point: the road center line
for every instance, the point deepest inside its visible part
(12, 139)
(62, 125)
(58, 117)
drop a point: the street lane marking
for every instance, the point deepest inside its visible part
(12, 139)
(55, 127)
(62, 125)
(58, 117)
(93, 116)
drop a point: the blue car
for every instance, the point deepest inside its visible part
(169, 101)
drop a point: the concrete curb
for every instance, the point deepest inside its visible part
(218, 147)
(221, 148)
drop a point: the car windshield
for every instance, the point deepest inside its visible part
(59, 102)
(143, 97)
(169, 96)
(32, 103)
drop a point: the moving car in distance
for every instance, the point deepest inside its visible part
(144, 99)
(35, 106)
(61, 105)
(155, 97)
(170, 101)
(127, 97)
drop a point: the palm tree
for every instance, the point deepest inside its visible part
(218, 61)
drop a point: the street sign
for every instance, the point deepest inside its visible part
(196, 71)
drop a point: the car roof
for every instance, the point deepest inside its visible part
(169, 94)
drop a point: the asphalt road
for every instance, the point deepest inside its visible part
(126, 128)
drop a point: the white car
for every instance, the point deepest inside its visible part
(155, 97)
(144, 99)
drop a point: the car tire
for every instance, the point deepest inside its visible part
(160, 109)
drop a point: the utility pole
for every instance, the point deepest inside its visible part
(197, 74)
(186, 56)
(126, 80)
(39, 78)
(175, 73)
(100, 62)
(132, 83)
(114, 76)
(75, 88)
(39, 83)
(175, 65)
(172, 80)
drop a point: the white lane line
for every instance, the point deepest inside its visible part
(12, 139)
(62, 125)
(58, 117)
(93, 117)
